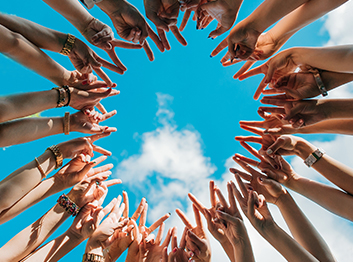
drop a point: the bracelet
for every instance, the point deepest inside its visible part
(62, 96)
(67, 123)
(69, 44)
(90, 3)
(65, 202)
(314, 157)
(319, 82)
(57, 154)
(89, 257)
(68, 94)
(40, 168)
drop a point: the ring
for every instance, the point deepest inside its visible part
(98, 183)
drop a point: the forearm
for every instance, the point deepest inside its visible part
(73, 11)
(29, 129)
(16, 106)
(40, 36)
(300, 17)
(335, 59)
(269, 12)
(24, 179)
(45, 189)
(332, 199)
(338, 173)
(302, 230)
(228, 248)
(243, 252)
(332, 126)
(34, 235)
(55, 249)
(287, 246)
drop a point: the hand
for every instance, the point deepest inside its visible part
(164, 14)
(81, 122)
(295, 86)
(82, 99)
(270, 121)
(118, 43)
(189, 6)
(104, 235)
(210, 214)
(79, 168)
(266, 46)
(98, 34)
(93, 188)
(254, 207)
(178, 253)
(85, 60)
(298, 113)
(143, 231)
(241, 42)
(224, 11)
(82, 145)
(130, 24)
(152, 250)
(196, 238)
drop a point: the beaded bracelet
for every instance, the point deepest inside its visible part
(89, 257)
(68, 205)
(57, 154)
(68, 94)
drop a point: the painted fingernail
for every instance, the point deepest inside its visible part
(84, 82)
(169, 213)
(261, 179)
(277, 167)
(269, 151)
(175, 250)
(250, 188)
(238, 47)
(211, 56)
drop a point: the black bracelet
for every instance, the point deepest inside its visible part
(67, 90)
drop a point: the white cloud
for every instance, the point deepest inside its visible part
(339, 25)
(171, 163)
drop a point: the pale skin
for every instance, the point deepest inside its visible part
(24, 179)
(178, 253)
(256, 210)
(84, 192)
(82, 57)
(130, 24)
(301, 228)
(324, 195)
(271, 41)
(210, 215)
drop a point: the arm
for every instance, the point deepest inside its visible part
(302, 230)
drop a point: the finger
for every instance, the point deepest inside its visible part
(102, 150)
(174, 238)
(158, 223)
(242, 187)
(155, 39)
(163, 38)
(232, 203)
(139, 209)
(254, 130)
(278, 144)
(184, 219)
(220, 47)
(102, 168)
(112, 67)
(236, 192)
(252, 150)
(106, 210)
(273, 101)
(253, 72)
(143, 217)
(112, 182)
(111, 53)
(168, 238)
(99, 160)
(247, 167)
(259, 89)
(275, 110)
(244, 175)
(185, 19)
(196, 202)
(248, 160)
(254, 139)
(159, 236)
(178, 35)
(222, 199)
(148, 51)
(183, 239)
(103, 76)
(194, 243)
(126, 202)
(124, 44)
(243, 69)
(198, 219)
(212, 194)
(101, 108)
(219, 31)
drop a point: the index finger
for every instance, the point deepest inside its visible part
(196, 202)
(220, 47)
(178, 35)
(126, 202)
(212, 194)
(254, 130)
(198, 219)
(155, 38)
(143, 216)
(148, 50)
(252, 72)
(184, 219)
(157, 223)
(252, 151)
(103, 76)
(139, 209)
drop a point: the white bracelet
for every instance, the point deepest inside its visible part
(90, 3)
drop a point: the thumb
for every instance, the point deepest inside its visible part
(279, 143)
(93, 61)
(219, 31)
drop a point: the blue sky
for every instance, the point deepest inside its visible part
(177, 118)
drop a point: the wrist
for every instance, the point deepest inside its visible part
(94, 247)
(110, 6)
(303, 148)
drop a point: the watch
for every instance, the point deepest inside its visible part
(314, 157)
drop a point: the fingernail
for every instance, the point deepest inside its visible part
(251, 188)
(266, 132)
(269, 151)
(238, 47)
(211, 56)
(84, 82)
(212, 38)
(169, 213)
(277, 167)
(175, 250)
(261, 179)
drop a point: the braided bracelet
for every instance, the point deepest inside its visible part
(68, 205)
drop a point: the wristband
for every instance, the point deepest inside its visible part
(57, 154)
(89, 257)
(70, 206)
(67, 123)
(319, 82)
(69, 44)
(62, 96)
(68, 94)
(90, 3)
(314, 157)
